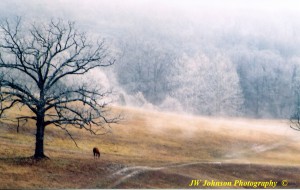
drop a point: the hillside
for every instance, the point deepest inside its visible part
(153, 150)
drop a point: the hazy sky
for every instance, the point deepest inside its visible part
(188, 6)
(93, 10)
(278, 19)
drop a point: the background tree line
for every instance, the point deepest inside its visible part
(236, 64)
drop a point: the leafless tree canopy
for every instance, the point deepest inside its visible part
(34, 64)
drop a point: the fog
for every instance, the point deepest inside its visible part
(233, 57)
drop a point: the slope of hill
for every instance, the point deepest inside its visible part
(153, 150)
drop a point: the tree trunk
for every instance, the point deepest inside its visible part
(39, 144)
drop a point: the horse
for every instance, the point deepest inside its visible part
(96, 152)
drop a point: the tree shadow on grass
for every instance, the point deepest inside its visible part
(30, 160)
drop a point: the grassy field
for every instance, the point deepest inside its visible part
(153, 150)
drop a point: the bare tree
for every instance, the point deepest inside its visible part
(35, 62)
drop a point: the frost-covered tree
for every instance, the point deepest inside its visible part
(223, 88)
(143, 67)
(208, 86)
(295, 115)
(187, 82)
(265, 79)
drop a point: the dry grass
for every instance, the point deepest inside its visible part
(151, 139)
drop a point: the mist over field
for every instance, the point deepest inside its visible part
(219, 58)
(149, 93)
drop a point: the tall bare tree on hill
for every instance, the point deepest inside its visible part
(35, 62)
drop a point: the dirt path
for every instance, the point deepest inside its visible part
(129, 172)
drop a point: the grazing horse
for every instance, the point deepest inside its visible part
(96, 152)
